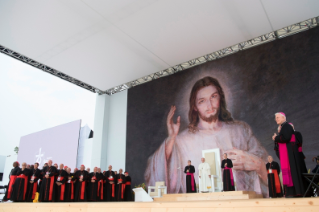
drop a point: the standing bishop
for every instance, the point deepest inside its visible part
(47, 190)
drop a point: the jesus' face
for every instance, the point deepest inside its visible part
(207, 103)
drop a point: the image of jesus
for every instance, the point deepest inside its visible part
(210, 126)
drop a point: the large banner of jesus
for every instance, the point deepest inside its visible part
(228, 104)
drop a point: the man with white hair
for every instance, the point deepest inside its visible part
(80, 188)
(120, 187)
(289, 157)
(274, 185)
(93, 182)
(69, 186)
(60, 183)
(204, 176)
(20, 185)
(47, 190)
(109, 189)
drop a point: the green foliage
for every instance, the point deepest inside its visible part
(142, 185)
(16, 149)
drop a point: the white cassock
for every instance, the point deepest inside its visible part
(189, 146)
(205, 181)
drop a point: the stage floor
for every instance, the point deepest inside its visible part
(249, 205)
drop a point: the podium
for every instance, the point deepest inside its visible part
(141, 195)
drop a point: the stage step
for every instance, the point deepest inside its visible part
(230, 195)
(250, 205)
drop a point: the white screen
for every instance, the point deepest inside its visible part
(59, 144)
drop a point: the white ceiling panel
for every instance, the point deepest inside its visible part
(178, 31)
(283, 13)
(106, 59)
(106, 43)
(34, 27)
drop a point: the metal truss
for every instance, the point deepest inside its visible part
(47, 69)
(281, 33)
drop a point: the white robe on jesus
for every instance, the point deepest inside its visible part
(189, 146)
(205, 180)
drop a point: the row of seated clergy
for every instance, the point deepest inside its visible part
(59, 185)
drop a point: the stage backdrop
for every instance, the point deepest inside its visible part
(278, 76)
(60, 144)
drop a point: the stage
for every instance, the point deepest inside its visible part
(251, 203)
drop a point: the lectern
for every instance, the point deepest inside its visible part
(141, 195)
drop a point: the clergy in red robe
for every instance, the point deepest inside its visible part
(80, 189)
(60, 183)
(110, 178)
(69, 186)
(47, 190)
(41, 176)
(100, 188)
(93, 183)
(120, 186)
(20, 185)
(34, 175)
(289, 158)
(274, 185)
(12, 177)
(128, 188)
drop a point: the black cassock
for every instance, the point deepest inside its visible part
(20, 186)
(12, 179)
(80, 187)
(101, 184)
(93, 186)
(274, 185)
(189, 177)
(34, 175)
(60, 189)
(40, 180)
(302, 157)
(69, 188)
(47, 190)
(109, 194)
(128, 189)
(120, 187)
(284, 137)
(227, 185)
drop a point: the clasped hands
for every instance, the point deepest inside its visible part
(274, 136)
(208, 176)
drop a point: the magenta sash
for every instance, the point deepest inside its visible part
(192, 180)
(300, 149)
(231, 175)
(284, 161)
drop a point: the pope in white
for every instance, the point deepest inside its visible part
(204, 176)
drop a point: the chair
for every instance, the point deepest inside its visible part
(159, 189)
